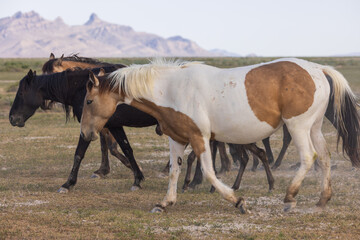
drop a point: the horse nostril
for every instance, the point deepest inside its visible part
(11, 119)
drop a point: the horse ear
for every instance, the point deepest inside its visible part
(52, 56)
(101, 72)
(30, 73)
(30, 76)
(93, 79)
(59, 61)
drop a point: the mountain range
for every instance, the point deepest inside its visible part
(30, 35)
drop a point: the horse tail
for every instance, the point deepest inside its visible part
(345, 116)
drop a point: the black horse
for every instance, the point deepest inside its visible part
(68, 88)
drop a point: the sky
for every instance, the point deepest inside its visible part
(261, 27)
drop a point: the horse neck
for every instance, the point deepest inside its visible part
(54, 87)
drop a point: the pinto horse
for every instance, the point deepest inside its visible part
(194, 103)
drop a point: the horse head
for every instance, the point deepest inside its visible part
(99, 105)
(53, 65)
(28, 98)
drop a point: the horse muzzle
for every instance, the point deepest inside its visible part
(16, 121)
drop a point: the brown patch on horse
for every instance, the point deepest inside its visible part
(279, 90)
(177, 125)
(69, 64)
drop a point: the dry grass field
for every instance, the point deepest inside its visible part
(36, 160)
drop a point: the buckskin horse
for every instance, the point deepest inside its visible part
(194, 103)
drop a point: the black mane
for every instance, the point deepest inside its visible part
(55, 84)
(76, 58)
(65, 86)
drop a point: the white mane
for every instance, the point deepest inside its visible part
(137, 80)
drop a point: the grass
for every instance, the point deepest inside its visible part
(36, 160)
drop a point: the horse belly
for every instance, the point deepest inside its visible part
(234, 121)
(244, 133)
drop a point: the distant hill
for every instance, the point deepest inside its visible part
(30, 35)
(222, 52)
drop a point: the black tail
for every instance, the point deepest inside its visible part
(345, 118)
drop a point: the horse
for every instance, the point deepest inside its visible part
(68, 88)
(108, 142)
(194, 103)
(61, 64)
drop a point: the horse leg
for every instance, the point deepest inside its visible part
(269, 154)
(166, 168)
(176, 155)
(205, 157)
(255, 161)
(263, 157)
(213, 147)
(243, 163)
(303, 143)
(120, 136)
(105, 166)
(286, 143)
(79, 155)
(234, 154)
(198, 176)
(190, 161)
(225, 161)
(112, 145)
(324, 163)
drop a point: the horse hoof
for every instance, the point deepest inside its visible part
(95, 175)
(288, 206)
(241, 205)
(134, 188)
(63, 190)
(158, 209)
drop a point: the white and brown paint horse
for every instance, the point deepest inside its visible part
(194, 102)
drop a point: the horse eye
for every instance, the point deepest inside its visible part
(89, 102)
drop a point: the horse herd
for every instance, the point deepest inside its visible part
(202, 105)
